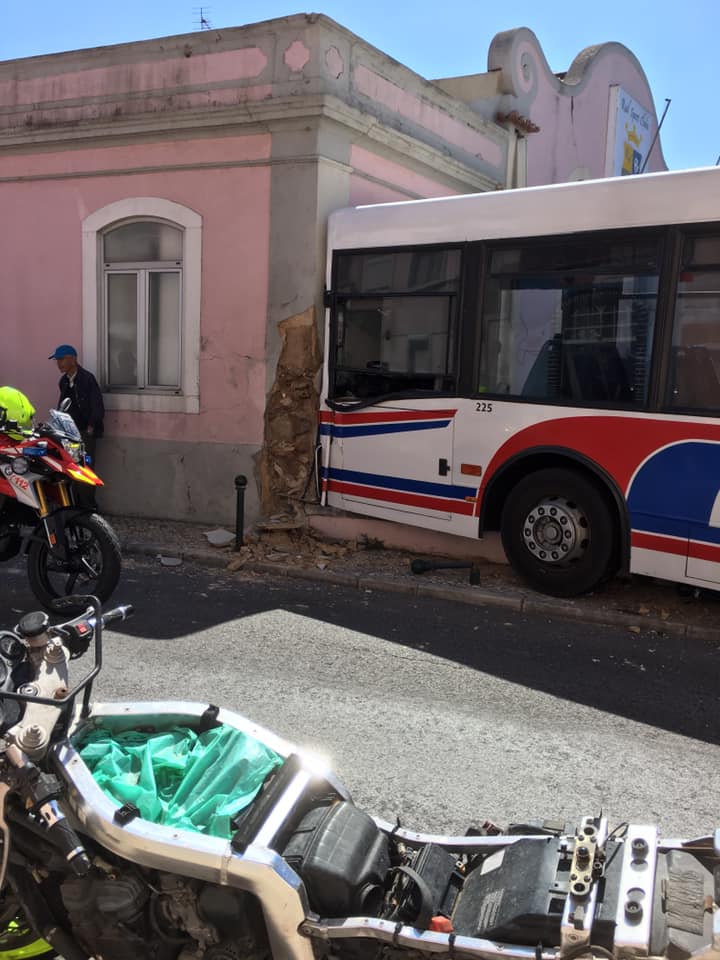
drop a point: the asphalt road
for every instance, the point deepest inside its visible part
(440, 714)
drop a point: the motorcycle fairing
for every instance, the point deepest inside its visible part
(85, 475)
(22, 487)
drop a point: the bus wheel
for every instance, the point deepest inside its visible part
(558, 532)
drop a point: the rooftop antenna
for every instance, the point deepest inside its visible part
(201, 18)
(657, 134)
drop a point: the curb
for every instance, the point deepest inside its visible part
(474, 596)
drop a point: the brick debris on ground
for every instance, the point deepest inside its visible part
(638, 603)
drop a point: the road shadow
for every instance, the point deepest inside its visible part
(660, 680)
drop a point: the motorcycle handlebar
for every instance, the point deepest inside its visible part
(122, 612)
(90, 615)
(77, 635)
(78, 632)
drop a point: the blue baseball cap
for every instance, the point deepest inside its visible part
(64, 350)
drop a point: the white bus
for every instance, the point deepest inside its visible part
(544, 362)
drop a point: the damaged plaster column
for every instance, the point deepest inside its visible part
(286, 461)
(310, 177)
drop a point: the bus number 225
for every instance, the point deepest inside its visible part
(483, 406)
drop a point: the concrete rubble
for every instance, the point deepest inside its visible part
(284, 545)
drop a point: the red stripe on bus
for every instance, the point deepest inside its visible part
(704, 551)
(655, 541)
(395, 496)
(387, 416)
(695, 549)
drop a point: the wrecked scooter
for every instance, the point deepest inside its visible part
(171, 831)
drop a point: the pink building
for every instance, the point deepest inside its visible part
(164, 204)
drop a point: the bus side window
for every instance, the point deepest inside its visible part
(696, 384)
(570, 320)
(543, 380)
(584, 372)
(695, 360)
(596, 373)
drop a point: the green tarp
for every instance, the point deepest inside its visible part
(180, 778)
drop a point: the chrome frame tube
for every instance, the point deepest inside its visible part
(450, 842)
(404, 935)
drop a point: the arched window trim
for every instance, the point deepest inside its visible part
(93, 228)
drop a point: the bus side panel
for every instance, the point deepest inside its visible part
(383, 461)
(679, 487)
(668, 469)
(395, 462)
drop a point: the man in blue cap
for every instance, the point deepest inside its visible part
(82, 389)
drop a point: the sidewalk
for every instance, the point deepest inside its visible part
(640, 604)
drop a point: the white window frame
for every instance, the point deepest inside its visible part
(142, 271)
(93, 228)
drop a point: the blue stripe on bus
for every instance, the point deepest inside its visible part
(375, 429)
(449, 491)
(662, 526)
(680, 529)
(674, 491)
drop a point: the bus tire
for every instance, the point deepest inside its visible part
(559, 532)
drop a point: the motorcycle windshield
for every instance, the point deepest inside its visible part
(64, 423)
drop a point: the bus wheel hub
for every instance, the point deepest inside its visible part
(556, 531)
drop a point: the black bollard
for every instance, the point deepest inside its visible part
(240, 484)
(423, 566)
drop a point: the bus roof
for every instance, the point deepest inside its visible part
(652, 199)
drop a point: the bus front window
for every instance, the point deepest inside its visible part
(394, 323)
(393, 345)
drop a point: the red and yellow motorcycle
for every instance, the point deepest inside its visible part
(70, 549)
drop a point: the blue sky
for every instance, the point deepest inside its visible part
(676, 44)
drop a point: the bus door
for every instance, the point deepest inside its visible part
(704, 549)
(396, 458)
(393, 334)
(703, 562)
(695, 389)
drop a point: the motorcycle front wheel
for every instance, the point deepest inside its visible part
(92, 565)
